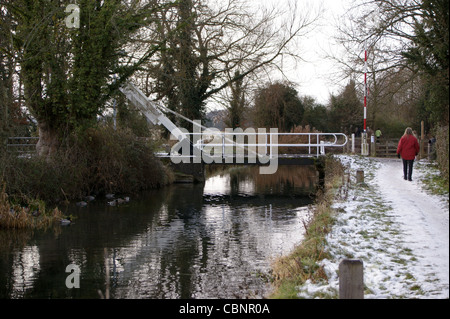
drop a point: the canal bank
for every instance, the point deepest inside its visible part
(302, 264)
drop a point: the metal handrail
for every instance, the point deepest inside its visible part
(318, 143)
(21, 145)
(154, 112)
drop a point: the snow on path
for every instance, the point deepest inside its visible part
(396, 228)
(424, 219)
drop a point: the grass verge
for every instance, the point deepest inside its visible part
(433, 180)
(32, 216)
(293, 270)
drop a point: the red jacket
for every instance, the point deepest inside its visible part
(408, 147)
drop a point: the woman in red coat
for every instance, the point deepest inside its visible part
(408, 148)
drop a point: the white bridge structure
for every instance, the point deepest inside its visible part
(209, 145)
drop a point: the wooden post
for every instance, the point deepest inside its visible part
(373, 146)
(359, 176)
(353, 143)
(351, 279)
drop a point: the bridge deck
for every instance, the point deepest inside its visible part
(283, 159)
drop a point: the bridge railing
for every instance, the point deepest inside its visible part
(21, 144)
(232, 144)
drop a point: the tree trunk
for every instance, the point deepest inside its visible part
(49, 141)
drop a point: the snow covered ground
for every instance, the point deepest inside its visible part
(398, 229)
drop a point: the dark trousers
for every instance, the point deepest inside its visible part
(407, 169)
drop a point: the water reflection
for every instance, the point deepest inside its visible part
(185, 241)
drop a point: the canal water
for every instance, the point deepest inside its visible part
(215, 240)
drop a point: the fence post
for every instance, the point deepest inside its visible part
(322, 148)
(373, 146)
(223, 146)
(351, 279)
(364, 145)
(353, 143)
(359, 176)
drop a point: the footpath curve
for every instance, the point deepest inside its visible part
(423, 217)
(398, 229)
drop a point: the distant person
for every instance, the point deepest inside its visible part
(432, 141)
(378, 135)
(432, 150)
(357, 132)
(407, 149)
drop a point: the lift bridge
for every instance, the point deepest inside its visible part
(210, 146)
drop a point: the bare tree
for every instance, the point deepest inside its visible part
(212, 44)
(385, 29)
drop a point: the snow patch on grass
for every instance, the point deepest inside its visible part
(396, 228)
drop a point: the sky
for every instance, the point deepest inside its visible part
(316, 75)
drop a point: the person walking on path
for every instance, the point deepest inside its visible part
(378, 135)
(407, 149)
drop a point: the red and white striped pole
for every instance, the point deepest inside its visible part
(365, 88)
(365, 144)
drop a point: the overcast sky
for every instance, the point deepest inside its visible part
(317, 76)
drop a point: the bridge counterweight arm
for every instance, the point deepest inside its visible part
(150, 110)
